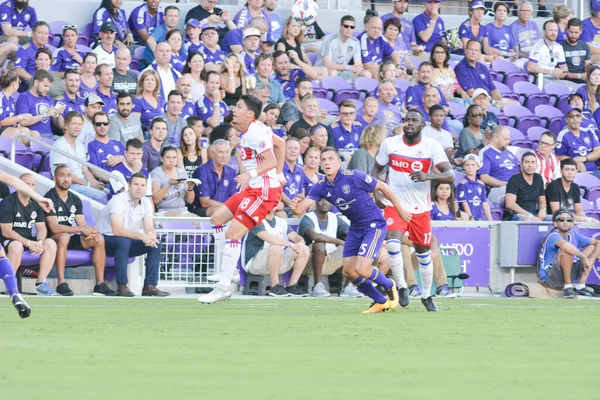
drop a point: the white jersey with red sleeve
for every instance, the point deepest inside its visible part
(257, 140)
(404, 159)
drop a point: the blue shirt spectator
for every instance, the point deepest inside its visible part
(205, 109)
(578, 142)
(75, 104)
(500, 165)
(99, 152)
(549, 249)
(344, 139)
(408, 30)
(415, 94)
(374, 50)
(500, 38)
(474, 76)
(25, 60)
(110, 102)
(233, 38)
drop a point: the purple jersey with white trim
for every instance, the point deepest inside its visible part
(590, 33)
(140, 19)
(351, 192)
(205, 108)
(209, 57)
(567, 144)
(99, 153)
(500, 38)
(63, 61)
(18, 20)
(474, 194)
(421, 23)
(500, 165)
(187, 110)
(7, 106)
(76, 104)
(110, 102)
(27, 103)
(102, 16)
(373, 51)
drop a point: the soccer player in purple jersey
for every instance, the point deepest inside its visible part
(7, 273)
(350, 191)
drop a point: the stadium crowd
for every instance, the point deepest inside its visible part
(516, 108)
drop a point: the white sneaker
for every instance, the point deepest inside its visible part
(215, 296)
(320, 291)
(217, 277)
(351, 291)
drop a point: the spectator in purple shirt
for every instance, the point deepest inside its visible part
(251, 45)
(415, 93)
(71, 99)
(213, 55)
(429, 26)
(218, 180)
(408, 30)
(37, 103)
(234, 38)
(103, 151)
(524, 32)
(25, 57)
(284, 75)
(346, 133)
(498, 164)
(591, 31)
(251, 10)
(498, 40)
(68, 57)
(374, 48)
(294, 175)
(387, 113)
(472, 28)
(580, 144)
(144, 18)
(11, 123)
(111, 12)
(104, 75)
(16, 15)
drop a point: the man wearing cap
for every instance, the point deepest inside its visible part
(264, 73)
(93, 104)
(483, 99)
(524, 32)
(577, 53)
(251, 45)
(104, 76)
(429, 26)
(105, 51)
(547, 57)
(498, 164)
(567, 257)
(525, 197)
(15, 17)
(591, 31)
(159, 34)
(408, 30)
(213, 55)
(548, 165)
(374, 48)
(472, 75)
(144, 18)
(341, 49)
(25, 56)
(234, 38)
(579, 143)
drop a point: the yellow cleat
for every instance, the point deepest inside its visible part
(377, 308)
(393, 295)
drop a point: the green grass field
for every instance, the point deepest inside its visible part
(102, 348)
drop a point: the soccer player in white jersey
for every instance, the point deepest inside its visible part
(260, 190)
(412, 158)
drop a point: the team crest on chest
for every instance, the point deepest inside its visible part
(346, 189)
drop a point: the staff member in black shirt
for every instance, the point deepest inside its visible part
(19, 213)
(67, 236)
(207, 13)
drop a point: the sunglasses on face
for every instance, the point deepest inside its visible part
(564, 220)
(574, 116)
(476, 115)
(348, 26)
(347, 114)
(100, 123)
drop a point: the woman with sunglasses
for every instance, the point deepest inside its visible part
(472, 136)
(68, 57)
(498, 40)
(194, 66)
(88, 83)
(9, 120)
(148, 103)
(191, 154)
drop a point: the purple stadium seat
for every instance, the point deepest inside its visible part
(366, 86)
(456, 109)
(458, 176)
(77, 258)
(316, 84)
(313, 57)
(559, 95)
(510, 71)
(42, 153)
(535, 133)
(138, 54)
(402, 84)
(495, 211)
(56, 30)
(523, 119)
(552, 116)
(531, 94)
(590, 185)
(320, 92)
(329, 106)
(495, 76)
(506, 92)
(517, 138)
(340, 89)
(134, 65)
(83, 48)
(23, 156)
(88, 212)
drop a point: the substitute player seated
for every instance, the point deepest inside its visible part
(69, 230)
(273, 248)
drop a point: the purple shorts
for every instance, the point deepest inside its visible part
(365, 242)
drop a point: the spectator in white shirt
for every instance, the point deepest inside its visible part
(548, 165)
(105, 51)
(162, 65)
(547, 57)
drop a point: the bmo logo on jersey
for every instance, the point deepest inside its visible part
(409, 165)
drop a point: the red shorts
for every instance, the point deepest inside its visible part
(419, 227)
(251, 206)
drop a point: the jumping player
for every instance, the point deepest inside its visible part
(250, 206)
(350, 191)
(412, 158)
(7, 273)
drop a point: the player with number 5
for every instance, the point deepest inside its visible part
(412, 158)
(350, 191)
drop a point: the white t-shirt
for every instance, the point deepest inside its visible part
(257, 140)
(443, 136)
(546, 56)
(133, 217)
(105, 57)
(404, 160)
(78, 151)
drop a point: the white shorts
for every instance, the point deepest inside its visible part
(258, 264)
(333, 262)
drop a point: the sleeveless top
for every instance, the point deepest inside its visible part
(190, 166)
(288, 47)
(231, 99)
(85, 90)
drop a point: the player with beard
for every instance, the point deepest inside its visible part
(412, 158)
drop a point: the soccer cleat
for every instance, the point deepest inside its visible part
(377, 308)
(295, 291)
(215, 296)
(320, 291)
(213, 278)
(443, 291)
(64, 290)
(278, 291)
(44, 289)
(569, 293)
(429, 304)
(103, 290)
(351, 291)
(217, 277)
(403, 296)
(415, 291)
(21, 306)
(392, 294)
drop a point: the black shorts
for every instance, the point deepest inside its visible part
(75, 243)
